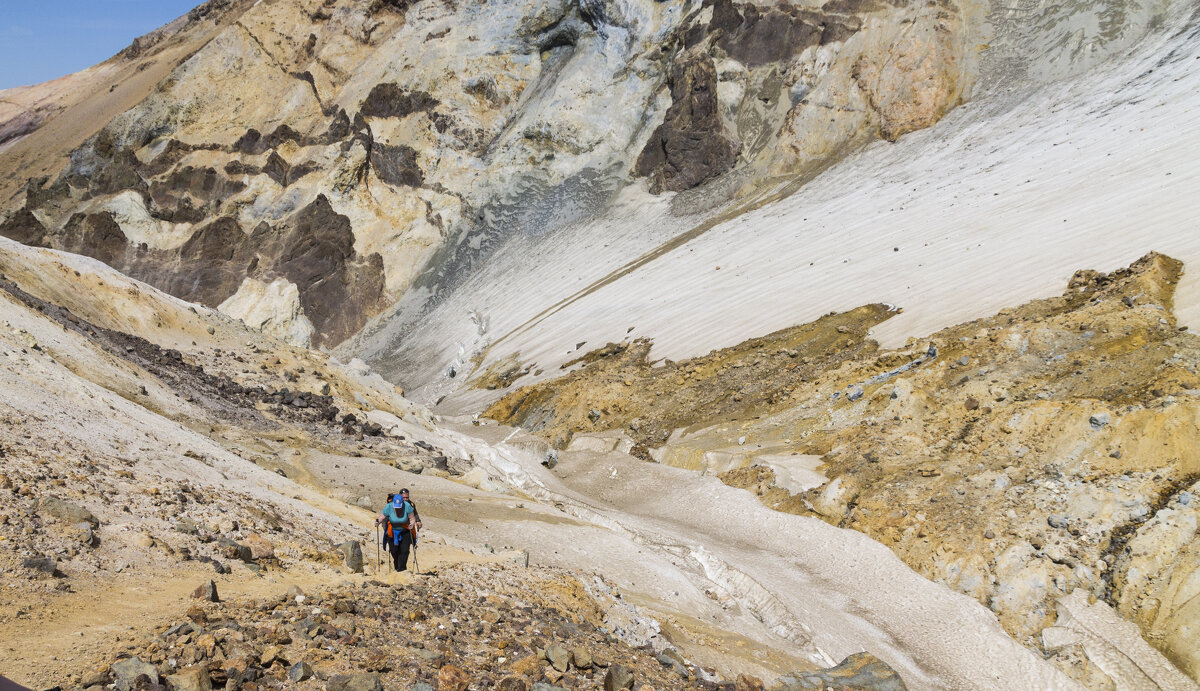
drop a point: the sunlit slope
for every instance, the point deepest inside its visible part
(1074, 153)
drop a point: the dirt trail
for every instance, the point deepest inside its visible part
(76, 631)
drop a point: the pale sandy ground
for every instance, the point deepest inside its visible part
(794, 584)
(996, 205)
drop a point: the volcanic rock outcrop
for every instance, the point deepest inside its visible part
(394, 138)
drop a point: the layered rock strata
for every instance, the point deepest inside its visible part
(352, 147)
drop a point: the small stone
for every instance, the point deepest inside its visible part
(190, 679)
(210, 330)
(1099, 420)
(354, 682)
(270, 655)
(989, 534)
(451, 678)
(581, 658)
(300, 671)
(1057, 520)
(558, 657)
(207, 592)
(855, 393)
(128, 670)
(745, 682)
(512, 684)
(971, 403)
(618, 677)
(97, 677)
(187, 526)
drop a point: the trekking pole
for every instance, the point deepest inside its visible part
(378, 539)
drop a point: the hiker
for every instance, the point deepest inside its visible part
(402, 521)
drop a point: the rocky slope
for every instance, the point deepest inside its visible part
(320, 176)
(1044, 450)
(137, 468)
(442, 630)
(473, 198)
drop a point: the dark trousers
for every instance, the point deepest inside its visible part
(399, 552)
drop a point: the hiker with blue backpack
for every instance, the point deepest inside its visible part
(402, 521)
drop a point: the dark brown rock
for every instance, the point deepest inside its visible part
(277, 169)
(207, 592)
(512, 684)
(618, 677)
(396, 165)
(690, 146)
(390, 100)
(757, 36)
(25, 228)
(338, 289)
(96, 235)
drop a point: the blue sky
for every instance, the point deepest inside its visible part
(44, 39)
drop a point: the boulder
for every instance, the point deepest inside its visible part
(207, 592)
(97, 677)
(67, 512)
(299, 672)
(411, 464)
(581, 658)
(84, 533)
(351, 553)
(128, 670)
(260, 547)
(233, 550)
(558, 657)
(190, 679)
(618, 677)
